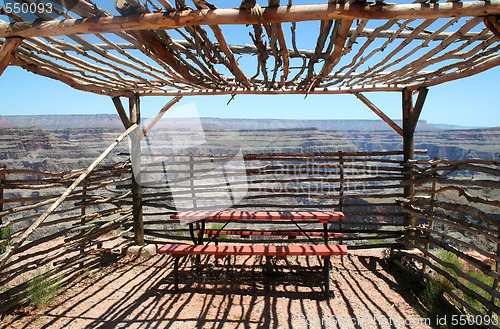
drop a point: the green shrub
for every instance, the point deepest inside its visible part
(448, 257)
(436, 306)
(180, 232)
(4, 233)
(42, 291)
(216, 227)
(472, 301)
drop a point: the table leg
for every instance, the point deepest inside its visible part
(191, 233)
(325, 233)
(176, 273)
(202, 232)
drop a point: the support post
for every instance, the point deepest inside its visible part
(135, 118)
(432, 208)
(341, 190)
(410, 119)
(408, 150)
(83, 221)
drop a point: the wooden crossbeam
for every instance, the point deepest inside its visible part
(7, 52)
(160, 115)
(417, 108)
(71, 81)
(459, 74)
(121, 112)
(82, 8)
(411, 112)
(285, 55)
(298, 13)
(241, 91)
(378, 112)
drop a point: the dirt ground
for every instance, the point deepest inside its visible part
(366, 292)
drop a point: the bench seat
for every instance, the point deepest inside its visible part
(180, 249)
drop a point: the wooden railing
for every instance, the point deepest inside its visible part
(457, 205)
(364, 185)
(73, 240)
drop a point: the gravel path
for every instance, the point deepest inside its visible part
(137, 293)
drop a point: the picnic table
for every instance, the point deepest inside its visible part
(200, 218)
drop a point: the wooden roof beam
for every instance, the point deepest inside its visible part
(70, 81)
(336, 53)
(7, 52)
(160, 51)
(234, 67)
(298, 13)
(241, 91)
(493, 24)
(285, 55)
(459, 74)
(82, 8)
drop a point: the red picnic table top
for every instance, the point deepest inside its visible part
(322, 216)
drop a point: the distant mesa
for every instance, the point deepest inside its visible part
(113, 121)
(4, 123)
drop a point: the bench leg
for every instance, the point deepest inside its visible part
(326, 271)
(176, 274)
(198, 265)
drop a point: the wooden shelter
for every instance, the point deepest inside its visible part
(158, 48)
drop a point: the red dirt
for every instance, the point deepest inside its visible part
(138, 293)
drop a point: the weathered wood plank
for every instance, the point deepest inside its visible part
(378, 112)
(7, 52)
(298, 13)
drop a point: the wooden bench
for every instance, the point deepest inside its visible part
(247, 234)
(178, 250)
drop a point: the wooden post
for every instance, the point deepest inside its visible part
(135, 118)
(408, 150)
(7, 52)
(191, 180)
(410, 120)
(341, 188)
(83, 221)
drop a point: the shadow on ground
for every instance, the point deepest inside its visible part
(235, 293)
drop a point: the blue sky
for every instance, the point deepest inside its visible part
(468, 102)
